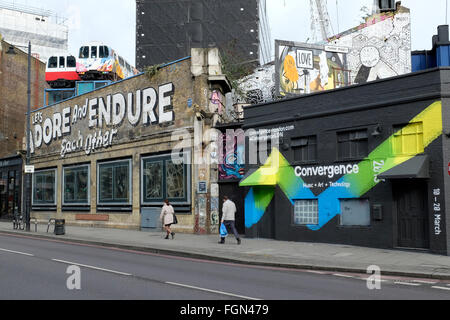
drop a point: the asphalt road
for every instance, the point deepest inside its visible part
(37, 269)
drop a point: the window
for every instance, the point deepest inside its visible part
(76, 185)
(84, 52)
(44, 187)
(408, 140)
(103, 52)
(163, 179)
(94, 52)
(355, 212)
(114, 182)
(71, 62)
(353, 145)
(53, 62)
(62, 62)
(121, 61)
(306, 212)
(305, 149)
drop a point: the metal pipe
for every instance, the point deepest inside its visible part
(28, 182)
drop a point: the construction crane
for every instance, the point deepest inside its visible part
(320, 21)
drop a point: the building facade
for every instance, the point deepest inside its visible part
(13, 109)
(110, 157)
(46, 31)
(363, 165)
(166, 30)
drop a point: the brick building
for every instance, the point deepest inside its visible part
(13, 108)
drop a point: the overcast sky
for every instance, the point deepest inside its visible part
(113, 21)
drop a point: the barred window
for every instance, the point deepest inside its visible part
(305, 149)
(306, 212)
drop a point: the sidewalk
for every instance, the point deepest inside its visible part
(313, 256)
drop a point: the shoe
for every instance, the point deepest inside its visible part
(239, 242)
(222, 242)
(167, 238)
(173, 235)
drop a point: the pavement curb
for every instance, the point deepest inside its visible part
(194, 255)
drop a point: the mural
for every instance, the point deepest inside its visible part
(258, 87)
(379, 48)
(357, 179)
(232, 165)
(303, 68)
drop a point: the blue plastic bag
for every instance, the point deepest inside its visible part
(223, 231)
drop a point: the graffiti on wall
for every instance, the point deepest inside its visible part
(233, 155)
(379, 48)
(303, 68)
(356, 179)
(258, 87)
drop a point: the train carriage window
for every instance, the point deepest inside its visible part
(71, 62)
(62, 62)
(104, 52)
(121, 62)
(93, 52)
(84, 52)
(53, 62)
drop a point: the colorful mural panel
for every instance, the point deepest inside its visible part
(303, 68)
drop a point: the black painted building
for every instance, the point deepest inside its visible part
(365, 165)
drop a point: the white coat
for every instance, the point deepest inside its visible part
(167, 214)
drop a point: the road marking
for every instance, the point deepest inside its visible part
(91, 267)
(425, 282)
(441, 288)
(407, 283)
(17, 252)
(316, 272)
(343, 275)
(213, 291)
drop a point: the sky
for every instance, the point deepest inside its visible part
(113, 21)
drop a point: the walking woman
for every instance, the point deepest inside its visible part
(167, 218)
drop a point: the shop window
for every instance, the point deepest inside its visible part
(306, 212)
(408, 140)
(44, 187)
(355, 212)
(76, 185)
(163, 179)
(114, 182)
(305, 149)
(353, 145)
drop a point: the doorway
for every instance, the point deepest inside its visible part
(412, 214)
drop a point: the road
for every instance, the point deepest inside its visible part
(39, 269)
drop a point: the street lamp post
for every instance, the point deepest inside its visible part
(28, 156)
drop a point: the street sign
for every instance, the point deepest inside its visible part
(29, 169)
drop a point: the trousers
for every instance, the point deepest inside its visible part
(230, 225)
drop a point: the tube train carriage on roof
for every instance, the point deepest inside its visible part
(61, 71)
(96, 61)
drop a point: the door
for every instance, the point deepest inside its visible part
(412, 214)
(236, 194)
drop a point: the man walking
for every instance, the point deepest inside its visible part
(228, 218)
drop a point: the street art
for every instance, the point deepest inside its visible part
(358, 179)
(258, 87)
(303, 68)
(379, 48)
(233, 164)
